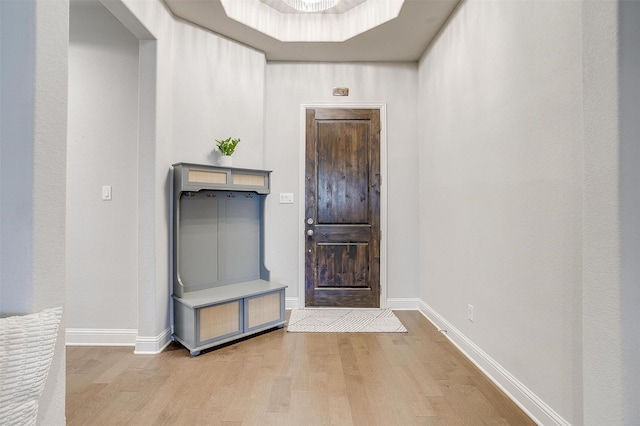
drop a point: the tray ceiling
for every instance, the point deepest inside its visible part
(353, 31)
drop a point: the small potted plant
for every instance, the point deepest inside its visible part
(226, 147)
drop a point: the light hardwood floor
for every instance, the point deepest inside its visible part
(280, 378)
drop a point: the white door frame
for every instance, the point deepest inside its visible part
(383, 194)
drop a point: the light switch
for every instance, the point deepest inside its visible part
(286, 198)
(106, 193)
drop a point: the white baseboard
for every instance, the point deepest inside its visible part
(291, 303)
(118, 337)
(403, 303)
(100, 337)
(536, 408)
(151, 345)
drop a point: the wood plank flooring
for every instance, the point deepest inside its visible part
(280, 378)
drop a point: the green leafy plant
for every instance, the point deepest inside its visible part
(228, 145)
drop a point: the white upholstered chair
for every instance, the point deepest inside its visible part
(27, 343)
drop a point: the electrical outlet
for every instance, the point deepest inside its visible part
(470, 312)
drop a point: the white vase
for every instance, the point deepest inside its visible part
(225, 161)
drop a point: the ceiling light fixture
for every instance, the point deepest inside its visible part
(311, 6)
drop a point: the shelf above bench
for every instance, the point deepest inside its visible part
(195, 177)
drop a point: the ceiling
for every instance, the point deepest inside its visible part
(401, 39)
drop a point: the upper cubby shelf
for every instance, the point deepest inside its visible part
(196, 177)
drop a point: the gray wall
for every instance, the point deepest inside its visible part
(33, 102)
(529, 189)
(102, 148)
(611, 295)
(629, 175)
(170, 103)
(289, 85)
(186, 120)
(216, 95)
(501, 189)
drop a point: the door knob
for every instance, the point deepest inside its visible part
(310, 232)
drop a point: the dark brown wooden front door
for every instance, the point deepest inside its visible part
(342, 250)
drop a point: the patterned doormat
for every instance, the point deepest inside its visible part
(322, 320)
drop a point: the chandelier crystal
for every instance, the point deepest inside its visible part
(311, 6)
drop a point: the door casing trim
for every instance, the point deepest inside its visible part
(382, 107)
